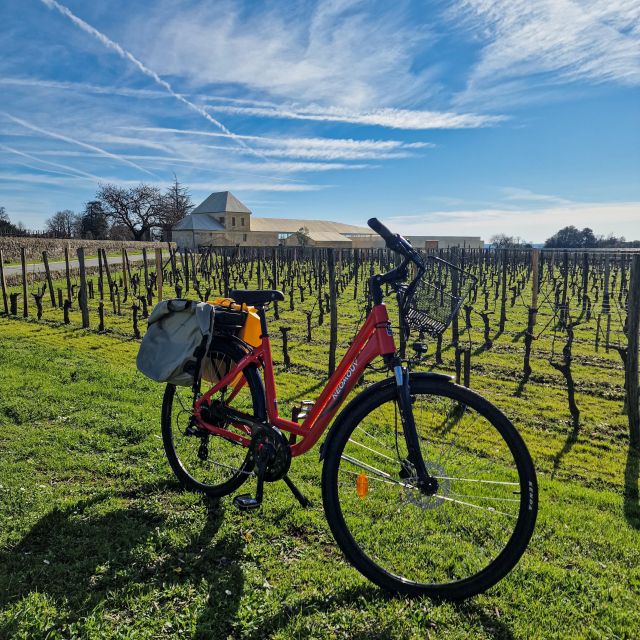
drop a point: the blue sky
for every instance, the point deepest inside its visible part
(467, 117)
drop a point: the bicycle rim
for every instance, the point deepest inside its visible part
(464, 537)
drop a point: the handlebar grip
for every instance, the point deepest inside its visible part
(380, 229)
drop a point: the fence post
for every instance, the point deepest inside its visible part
(25, 299)
(159, 275)
(3, 284)
(633, 326)
(82, 294)
(333, 310)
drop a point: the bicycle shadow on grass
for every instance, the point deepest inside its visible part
(490, 623)
(86, 556)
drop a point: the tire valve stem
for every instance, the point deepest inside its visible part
(362, 485)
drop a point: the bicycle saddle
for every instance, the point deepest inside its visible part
(256, 297)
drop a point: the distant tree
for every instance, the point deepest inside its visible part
(93, 223)
(572, 238)
(6, 226)
(120, 232)
(503, 241)
(175, 204)
(138, 208)
(302, 235)
(61, 224)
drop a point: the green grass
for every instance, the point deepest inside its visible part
(97, 541)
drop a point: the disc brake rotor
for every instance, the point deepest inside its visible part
(416, 497)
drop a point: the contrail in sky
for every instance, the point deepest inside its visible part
(59, 136)
(123, 53)
(78, 172)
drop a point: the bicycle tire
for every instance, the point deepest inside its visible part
(352, 542)
(179, 466)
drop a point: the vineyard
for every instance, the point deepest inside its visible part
(551, 337)
(556, 318)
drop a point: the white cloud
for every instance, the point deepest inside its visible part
(341, 52)
(547, 42)
(383, 117)
(533, 224)
(259, 186)
(311, 148)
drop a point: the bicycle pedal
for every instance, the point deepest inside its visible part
(246, 502)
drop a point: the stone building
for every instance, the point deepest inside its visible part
(222, 220)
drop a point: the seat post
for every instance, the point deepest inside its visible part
(263, 321)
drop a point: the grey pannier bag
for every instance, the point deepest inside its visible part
(178, 337)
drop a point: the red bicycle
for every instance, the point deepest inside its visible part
(427, 487)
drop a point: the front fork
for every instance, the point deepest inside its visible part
(426, 483)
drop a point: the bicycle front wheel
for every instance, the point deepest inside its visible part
(455, 542)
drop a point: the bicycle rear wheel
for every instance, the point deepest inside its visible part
(201, 461)
(466, 536)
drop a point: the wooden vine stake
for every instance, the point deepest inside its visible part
(633, 326)
(45, 259)
(159, 275)
(333, 311)
(82, 294)
(67, 273)
(3, 284)
(25, 300)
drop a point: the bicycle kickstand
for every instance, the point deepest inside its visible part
(300, 497)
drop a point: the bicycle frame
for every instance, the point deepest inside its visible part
(373, 339)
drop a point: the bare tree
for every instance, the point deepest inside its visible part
(176, 204)
(138, 208)
(61, 224)
(503, 241)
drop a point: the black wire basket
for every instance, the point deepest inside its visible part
(430, 304)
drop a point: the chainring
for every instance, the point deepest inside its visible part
(278, 449)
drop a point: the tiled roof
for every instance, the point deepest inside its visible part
(291, 225)
(221, 202)
(201, 222)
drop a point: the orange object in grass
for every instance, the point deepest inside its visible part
(362, 485)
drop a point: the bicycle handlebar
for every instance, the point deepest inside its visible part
(395, 242)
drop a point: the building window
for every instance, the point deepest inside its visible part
(222, 219)
(233, 221)
(284, 236)
(244, 237)
(242, 222)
